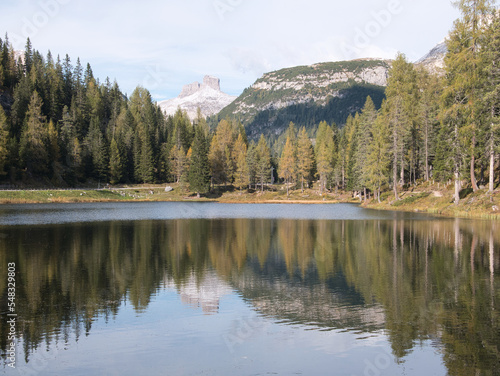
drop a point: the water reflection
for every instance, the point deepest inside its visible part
(414, 280)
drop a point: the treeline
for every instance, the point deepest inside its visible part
(59, 125)
(67, 128)
(440, 127)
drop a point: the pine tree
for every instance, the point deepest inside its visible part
(4, 141)
(305, 157)
(199, 173)
(115, 164)
(33, 144)
(96, 151)
(287, 165)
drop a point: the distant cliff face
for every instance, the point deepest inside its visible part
(434, 60)
(207, 96)
(307, 95)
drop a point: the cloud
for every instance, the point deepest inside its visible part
(190, 38)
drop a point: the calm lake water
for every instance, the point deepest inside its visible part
(214, 289)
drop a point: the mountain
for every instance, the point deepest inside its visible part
(206, 96)
(433, 61)
(307, 95)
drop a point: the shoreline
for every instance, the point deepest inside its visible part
(478, 205)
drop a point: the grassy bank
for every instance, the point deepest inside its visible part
(426, 198)
(438, 199)
(153, 192)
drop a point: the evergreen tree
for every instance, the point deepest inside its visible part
(199, 173)
(4, 141)
(96, 151)
(33, 143)
(115, 164)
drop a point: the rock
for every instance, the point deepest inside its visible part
(206, 96)
(437, 194)
(168, 189)
(494, 208)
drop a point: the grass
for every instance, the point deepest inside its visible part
(438, 199)
(425, 198)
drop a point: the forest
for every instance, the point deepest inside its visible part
(61, 126)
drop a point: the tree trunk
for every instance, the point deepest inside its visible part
(395, 177)
(302, 184)
(364, 191)
(378, 195)
(426, 145)
(472, 168)
(492, 171)
(457, 187)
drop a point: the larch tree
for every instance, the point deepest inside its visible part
(490, 94)
(178, 162)
(324, 154)
(400, 92)
(363, 140)
(463, 73)
(242, 173)
(262, 162)
(430, 91)
(378, 159)
(305, 157)
(287, 165)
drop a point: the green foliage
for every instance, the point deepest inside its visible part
(199, 172)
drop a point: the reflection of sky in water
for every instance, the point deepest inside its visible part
(93, 212)
(175, 338)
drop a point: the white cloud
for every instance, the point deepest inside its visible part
(190, 38)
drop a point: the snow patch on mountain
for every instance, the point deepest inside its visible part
(207, 96)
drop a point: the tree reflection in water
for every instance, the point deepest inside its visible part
(417, 280)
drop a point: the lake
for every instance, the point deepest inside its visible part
(258, 289)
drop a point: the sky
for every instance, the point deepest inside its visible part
(164, 44)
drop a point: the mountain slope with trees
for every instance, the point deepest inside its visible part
(307, 95)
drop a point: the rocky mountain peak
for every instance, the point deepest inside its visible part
(208, 82)
(207, 96)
